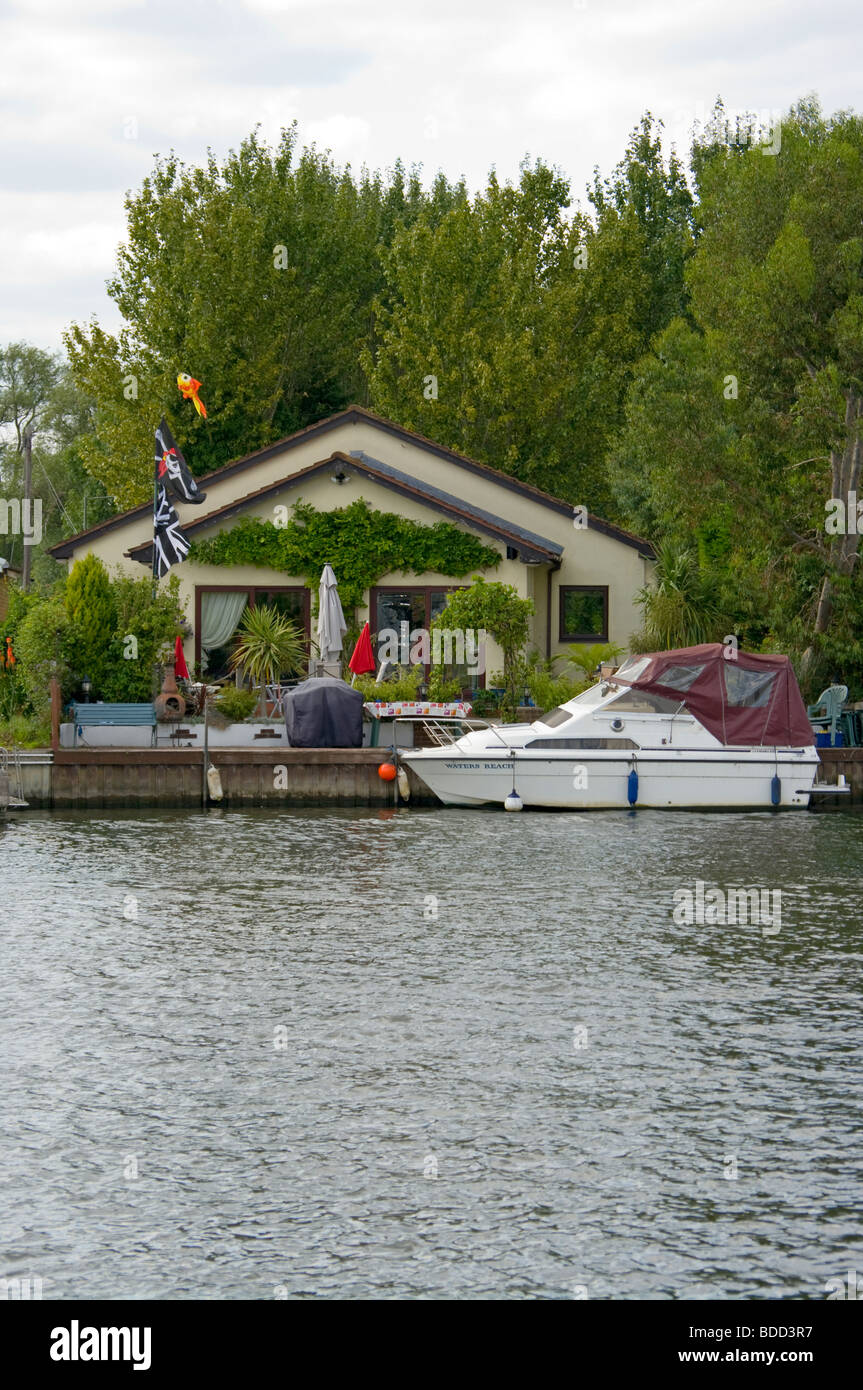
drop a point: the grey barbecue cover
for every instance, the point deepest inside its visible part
(323, 712)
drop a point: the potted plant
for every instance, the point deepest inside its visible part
(269, 646)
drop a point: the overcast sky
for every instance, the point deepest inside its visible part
(92, 89)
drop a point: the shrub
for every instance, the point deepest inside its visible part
(442, 689)
(44, 647)
(153, 622)
(235, 705)
(589, 659)
(92, 613)
(25, 731)
(547, 686)
(404, 686)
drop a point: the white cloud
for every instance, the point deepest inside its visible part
(344, 135)
(453, 85)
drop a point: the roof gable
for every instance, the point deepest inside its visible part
(532, 548)
(355, 414)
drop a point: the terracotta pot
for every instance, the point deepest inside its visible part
(169, 704)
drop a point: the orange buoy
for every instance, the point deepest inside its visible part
(387, 772)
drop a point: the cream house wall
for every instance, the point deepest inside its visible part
(589, 556)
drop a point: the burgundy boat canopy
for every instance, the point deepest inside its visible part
(743, 699)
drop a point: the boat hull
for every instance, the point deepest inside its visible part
(667, 779)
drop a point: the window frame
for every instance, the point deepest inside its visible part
(426, 590)
(252, 590)
(562, 591)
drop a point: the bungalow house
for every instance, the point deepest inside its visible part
(582, 573)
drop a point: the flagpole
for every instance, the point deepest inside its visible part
(155, 504)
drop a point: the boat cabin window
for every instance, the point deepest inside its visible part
(642, 702)
(747, 689)
(633, 667)
(581, 743)
(679, 677)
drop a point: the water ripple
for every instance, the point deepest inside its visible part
(427, 1054)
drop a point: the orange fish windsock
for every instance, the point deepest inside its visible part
(189, 389)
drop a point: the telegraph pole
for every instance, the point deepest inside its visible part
(26, 509)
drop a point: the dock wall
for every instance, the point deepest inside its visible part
(140, 777)
(151, 777)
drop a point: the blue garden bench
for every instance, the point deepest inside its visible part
(120, 716)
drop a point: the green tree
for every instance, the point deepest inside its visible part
(45, 646)
(654, 194)
(781, 278)
(739, 429)
(503, 329)
(37, 394)
(92, 612)
(501, 611)
(257, 276)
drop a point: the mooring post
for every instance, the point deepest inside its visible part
(206, 750)
(55, 714)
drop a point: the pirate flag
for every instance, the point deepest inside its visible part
(172, 469)
(170, 546)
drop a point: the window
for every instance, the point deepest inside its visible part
(397, 613)
(219, 611)
(581, 743)
(583, 613)
(747, 689)
(633, 667)
(556, 717)
(644, 702)
(679, 677)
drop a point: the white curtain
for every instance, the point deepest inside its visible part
(220, 615)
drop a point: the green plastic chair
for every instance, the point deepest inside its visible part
(825, 714)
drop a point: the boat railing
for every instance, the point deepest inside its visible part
(444, 729)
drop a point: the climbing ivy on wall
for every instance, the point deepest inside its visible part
(361, 545)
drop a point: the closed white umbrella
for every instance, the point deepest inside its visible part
(331, 620)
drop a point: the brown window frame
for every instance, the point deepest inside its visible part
(252, 590)
(564, 589)
(427, 590)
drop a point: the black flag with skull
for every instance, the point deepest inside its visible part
(170, 546)
(172, 469)
(173, 480)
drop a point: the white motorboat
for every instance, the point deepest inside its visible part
(698, 728)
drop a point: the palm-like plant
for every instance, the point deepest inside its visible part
(270, 646)
(683, 609)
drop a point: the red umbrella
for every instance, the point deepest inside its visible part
(180, 667)
(362, 659)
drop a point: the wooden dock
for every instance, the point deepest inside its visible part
(102, 778)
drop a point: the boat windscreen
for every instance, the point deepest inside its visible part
(644, 702)
(556, 717)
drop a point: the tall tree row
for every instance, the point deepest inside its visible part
(682, 352)
(745, 420)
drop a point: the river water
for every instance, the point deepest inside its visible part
(428, 1053)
